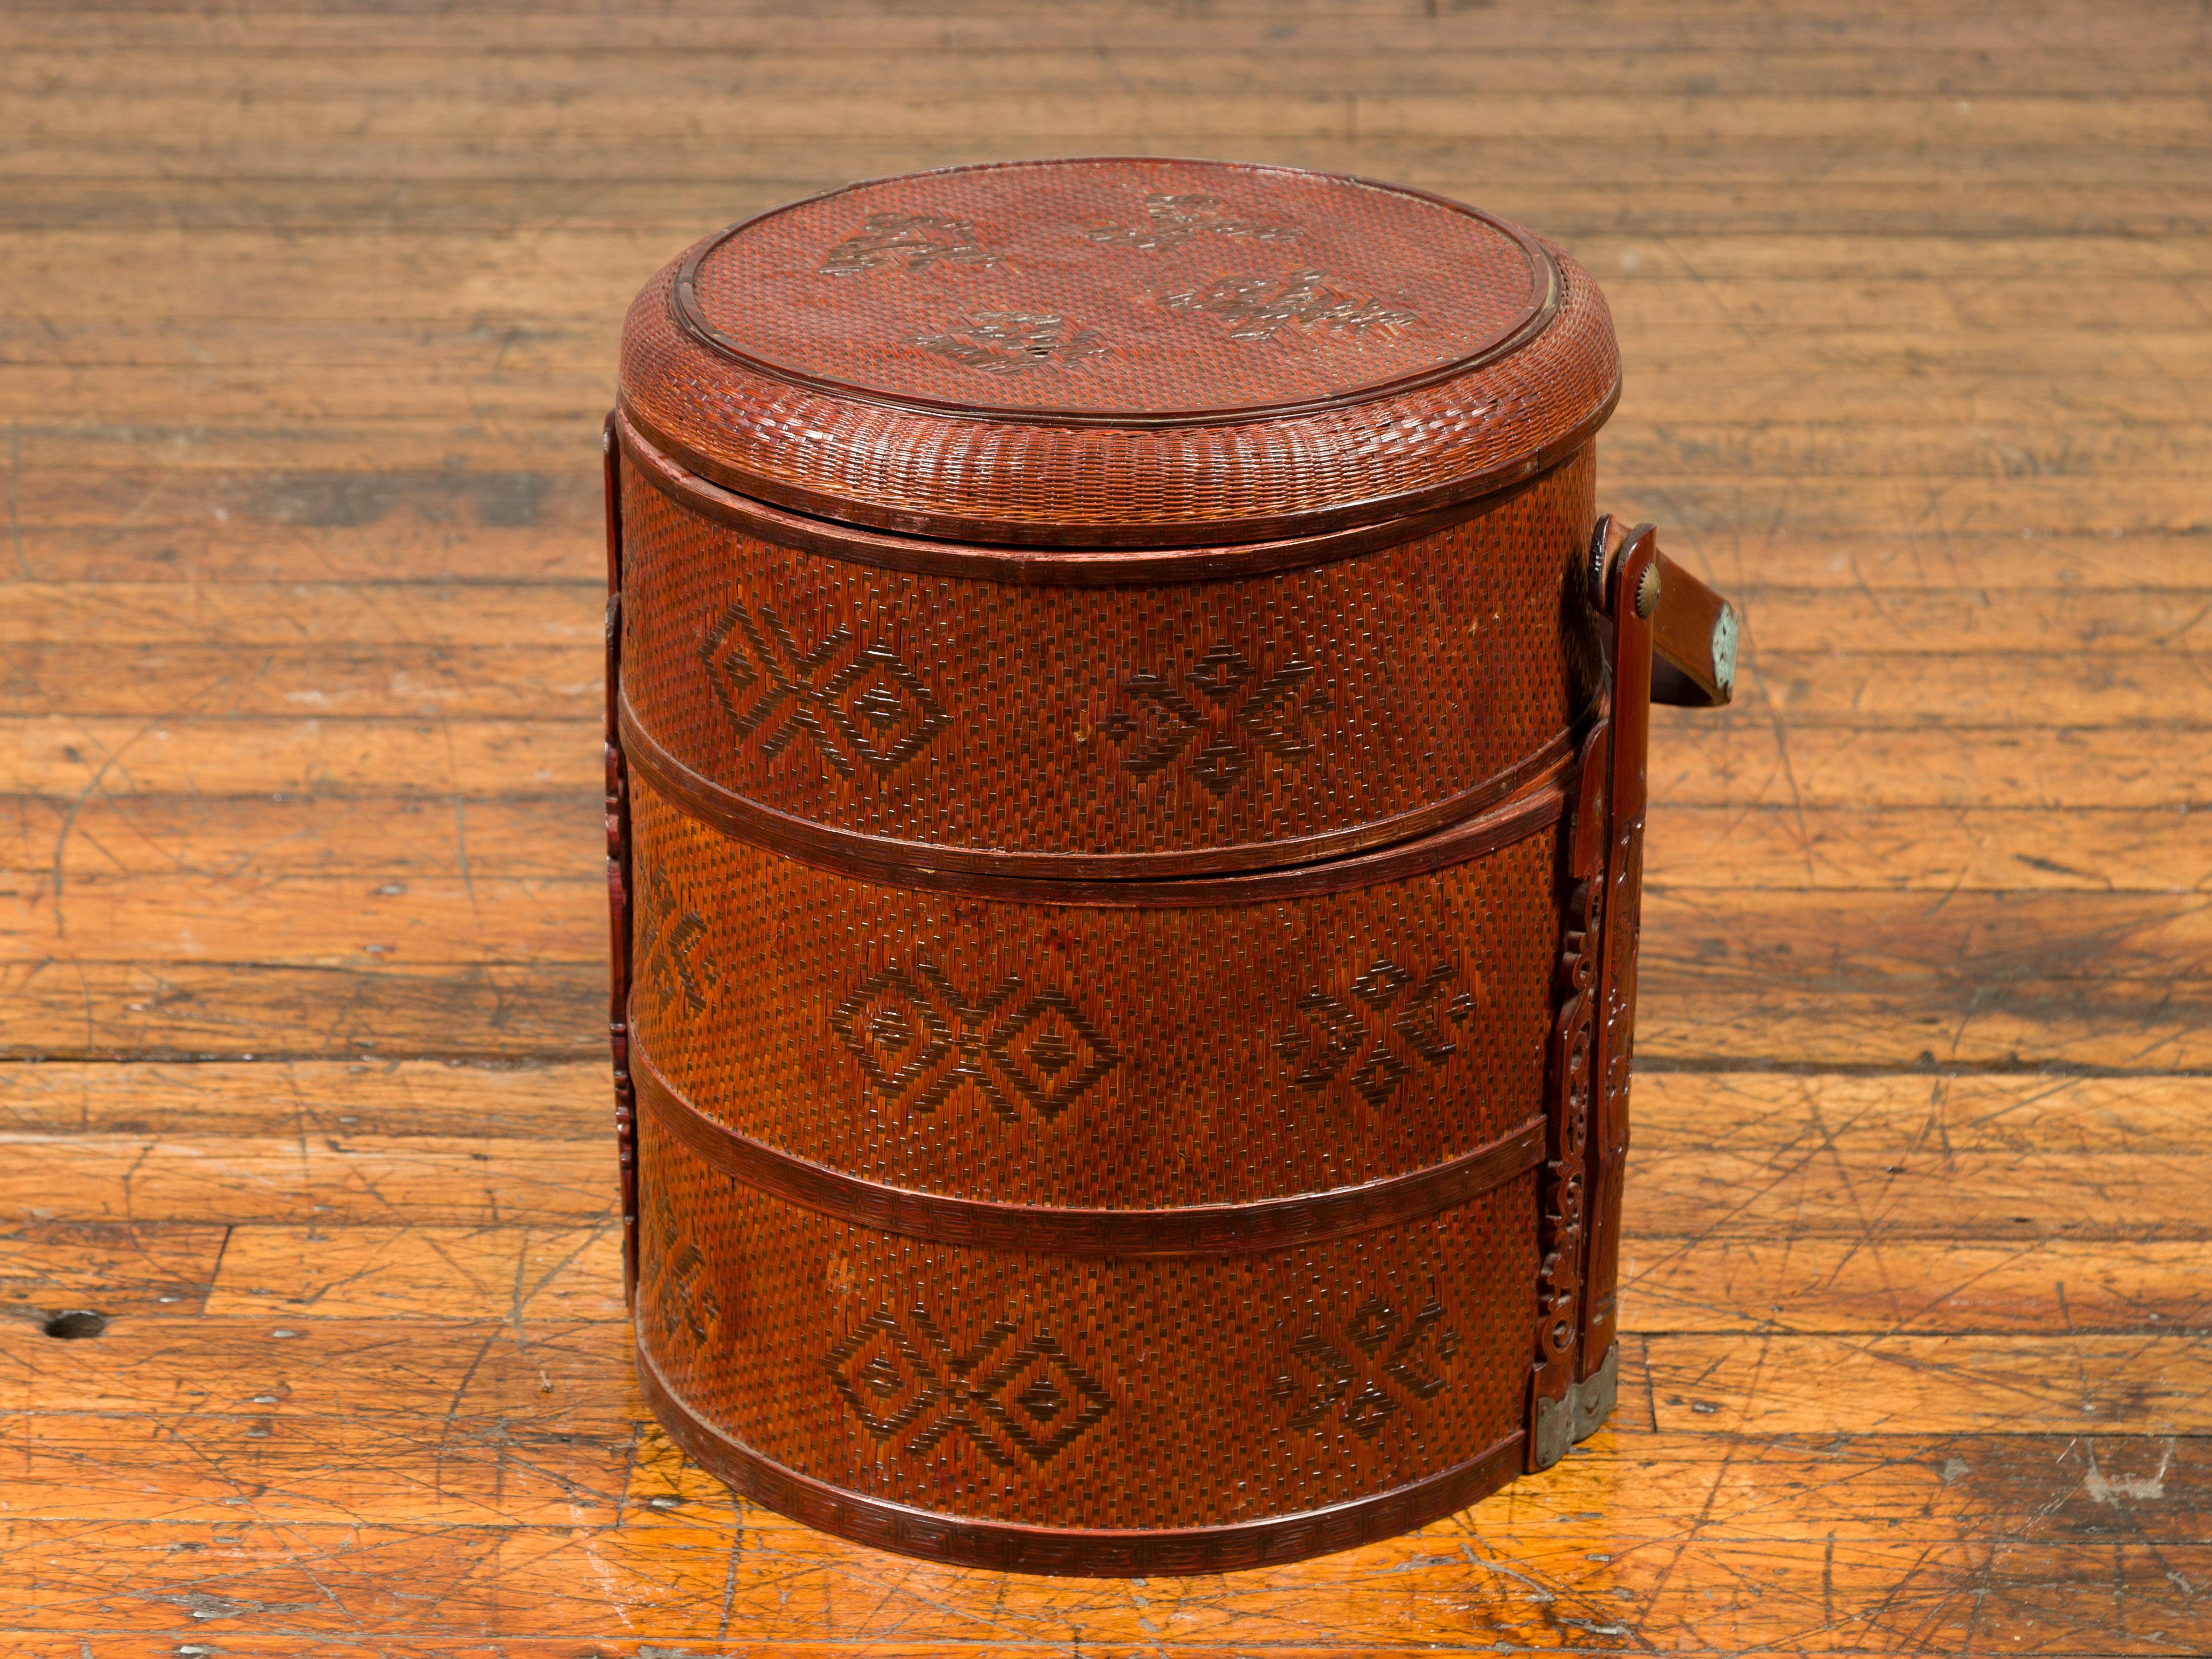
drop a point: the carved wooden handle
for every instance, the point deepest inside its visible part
(1694, 635)
(1693, 629)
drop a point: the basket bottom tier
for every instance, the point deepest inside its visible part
(1085, 1415)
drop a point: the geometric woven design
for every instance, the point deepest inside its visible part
(902, 1378)
(1369, 1367)
(1131, 721)
(1375, 1035)
(682, 1293)
(1238, 713)
(1112, 1058)
(918, 1041)
(1088, 1392)
(870, 706)
(672, 961)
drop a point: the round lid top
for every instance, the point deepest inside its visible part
(1119, 352)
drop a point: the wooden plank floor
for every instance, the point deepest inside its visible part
(311, 318)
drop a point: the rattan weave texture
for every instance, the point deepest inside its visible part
(1110, 266)
(1131, 1058)
(937, 374)
(1123, 881)
(1085, 1392)
(1221, 717)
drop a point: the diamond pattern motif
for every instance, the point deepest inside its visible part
(1369, 1368)
(1230, 713)
(1386, 1026)
(1027, 1402)
(858, 706)
(921, 1040)
(672, 963)
(683, 1294)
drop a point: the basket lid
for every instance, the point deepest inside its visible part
(1119, 352)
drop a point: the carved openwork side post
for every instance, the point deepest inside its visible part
(1668, 638)
(1633, 592)
(1563, 1217)
(618, 877)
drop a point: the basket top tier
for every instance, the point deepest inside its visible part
(1119, 352)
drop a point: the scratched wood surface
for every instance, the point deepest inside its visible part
(311, 317)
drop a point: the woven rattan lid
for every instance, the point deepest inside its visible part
(1120, 352)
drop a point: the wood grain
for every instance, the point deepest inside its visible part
(503, 1270)
(1789, 1384)
(565, 1374)
(301, 934)
(2112, 1283)
(368, 1178)
(49, 1266)
(390, 1097)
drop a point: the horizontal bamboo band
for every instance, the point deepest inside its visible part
(1195, 1230)
(1502, 809)
(1010, 1546)
(672, 471)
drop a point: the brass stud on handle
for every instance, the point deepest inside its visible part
(1647, 591)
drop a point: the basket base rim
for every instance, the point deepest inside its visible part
(1074, 1551)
